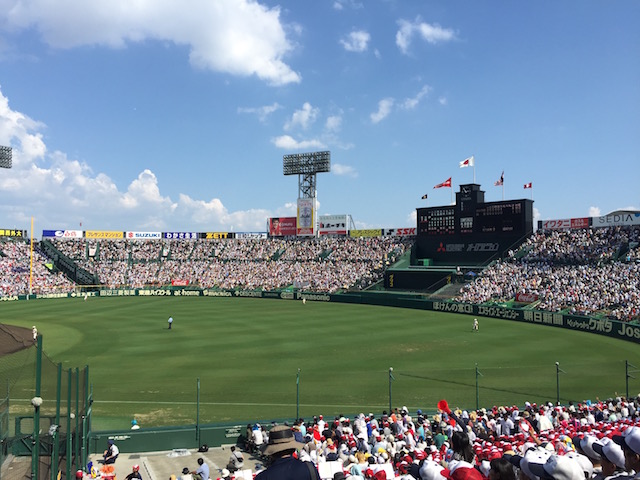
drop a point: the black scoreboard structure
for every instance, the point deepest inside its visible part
(472, 231)
(469, 234)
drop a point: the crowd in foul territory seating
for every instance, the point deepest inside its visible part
(18, 276)
(589, 440)
(325, 264)
(589, 271)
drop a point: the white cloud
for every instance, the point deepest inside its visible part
(411, 103)
(69, 191)
(356, 41)
(238, 37)
(333, 123)
(384, 109)
(287, 142)
(343, 170)
(341, 4)
(303, 118)
(262, 112)
(430, 33)
(412, 218)
(443, 101)
(594, 212)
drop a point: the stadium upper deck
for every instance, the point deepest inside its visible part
(588, 271)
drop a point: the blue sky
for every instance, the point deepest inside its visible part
(150, 116)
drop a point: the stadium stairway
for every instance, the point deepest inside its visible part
(161, 465)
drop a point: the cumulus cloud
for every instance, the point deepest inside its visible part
(302, 118)
(431, 33)
(356, 41)
(412, 218)
(344, 170)
(384, 109)
(262, 112)
(411, 103)
(594, 212)
(69, 191)
(443, 101)
(238, 37)
(287, 142)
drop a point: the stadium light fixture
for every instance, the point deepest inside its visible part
(306, 166)
(5, 157)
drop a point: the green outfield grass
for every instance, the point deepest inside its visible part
(246, 353)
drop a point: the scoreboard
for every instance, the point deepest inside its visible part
(472, 230)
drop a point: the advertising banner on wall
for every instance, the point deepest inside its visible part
(13, 232)
(282, 226)
(370, 232)
(306, 216)
(180, 235)
(253, 235)
(565, 224)
(216, 235)
(143, 235)
(399, 232)
(103, 234)
(617, 219)
(63, 233)
(333, 225)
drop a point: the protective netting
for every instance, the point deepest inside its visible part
(63, 417)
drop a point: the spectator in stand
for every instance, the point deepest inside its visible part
(284, 466)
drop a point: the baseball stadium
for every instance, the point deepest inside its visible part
(170, 343)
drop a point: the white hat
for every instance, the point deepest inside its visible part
(610, 451)
(586, 445)
(558, 467)
(225, 472)
(630, 438)
(583, 461)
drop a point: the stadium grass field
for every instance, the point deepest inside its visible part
(246, 353)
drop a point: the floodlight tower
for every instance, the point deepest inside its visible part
(306, 166)
(5, 157)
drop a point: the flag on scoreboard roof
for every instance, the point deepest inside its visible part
(424, 197)
(501, 181)
(528, 185)
(446, 183)
(467, 162)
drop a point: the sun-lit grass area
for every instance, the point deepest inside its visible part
(247, 352)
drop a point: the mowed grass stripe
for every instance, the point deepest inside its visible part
(246, 353)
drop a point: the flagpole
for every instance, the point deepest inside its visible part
(503, 189)
(474, 170)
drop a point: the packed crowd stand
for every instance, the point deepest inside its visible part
(585, 271)
(599, 440)
(16, 276)
(588, 271)
(326, 264)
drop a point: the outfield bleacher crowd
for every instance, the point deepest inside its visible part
(587, 271)
(322, 265)
(599, 440)
(17, 277)
(592, 271)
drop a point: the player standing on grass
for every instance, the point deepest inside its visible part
(475, 324)
(170, 322)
